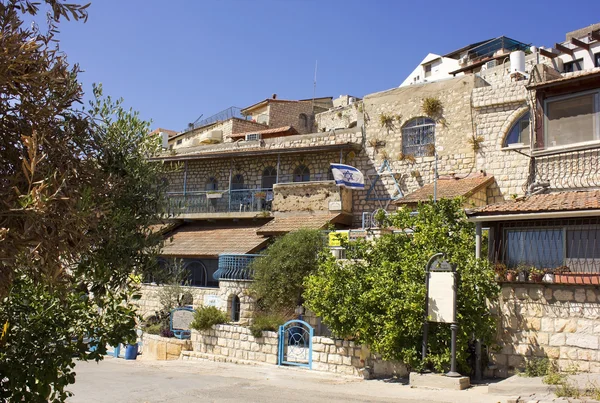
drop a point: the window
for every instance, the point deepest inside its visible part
(197, 275)
(427, 70)
(179, 141)
(301, 174)
(535, 247)
(237, 182)
(597, 60)
(303, 120)
(575, 65)
(417, 134)
(235, 308)
(269, 178)
(519, 132)
(571, 119)
(211, 184)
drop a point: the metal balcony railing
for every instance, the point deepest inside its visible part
(234, 267)
(219, 201)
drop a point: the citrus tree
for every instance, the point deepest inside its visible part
(377, 297)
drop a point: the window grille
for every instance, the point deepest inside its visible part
(417, 134)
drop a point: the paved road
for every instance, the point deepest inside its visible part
(117, 380)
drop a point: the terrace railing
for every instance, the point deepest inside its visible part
(219, 201)
(234, 266)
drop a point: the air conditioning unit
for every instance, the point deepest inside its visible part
(490, 64)
(212, 137)
(463, 60)
(253, 137)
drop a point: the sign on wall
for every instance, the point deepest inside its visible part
(336, 237)
(211, 300)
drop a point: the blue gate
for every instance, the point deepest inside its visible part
(295, 344)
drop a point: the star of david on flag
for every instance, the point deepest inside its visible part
(345, 175)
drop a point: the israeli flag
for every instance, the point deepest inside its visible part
(345, 175)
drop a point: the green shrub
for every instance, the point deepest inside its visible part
(207, 316)
(269, 322)
(153, 329)
(538, 367)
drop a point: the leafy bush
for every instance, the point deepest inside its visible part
(377, 296)
(208, 316)
(266, 321)
(538, 367)
(153, 329)
(279, 275)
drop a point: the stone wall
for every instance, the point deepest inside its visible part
(310, 196)
(288, 114)
(340, 117)
(227, 289)
(163, 348)
(149, 303)
(560, 322)
(236, 344)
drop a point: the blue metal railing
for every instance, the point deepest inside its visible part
(219, 201)
(234, 267)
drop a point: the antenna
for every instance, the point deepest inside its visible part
(314, 87)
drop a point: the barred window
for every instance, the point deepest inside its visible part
(418, 137)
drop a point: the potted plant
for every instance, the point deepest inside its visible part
(536, 275)
(500, 270)
(511, 275)
(523, 273)
(548, 276)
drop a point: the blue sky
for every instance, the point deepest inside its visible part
(175, 60)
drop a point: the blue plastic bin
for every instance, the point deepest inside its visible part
(131, 351)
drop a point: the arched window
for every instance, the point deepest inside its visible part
(211, 184)
(269, 178)
(235, 308)
(301, 174)
(237, 182)
(519, 132)
(303, 120)
(197, 275)
(417, 135)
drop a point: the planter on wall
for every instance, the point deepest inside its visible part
(214, 195)
(577, 278)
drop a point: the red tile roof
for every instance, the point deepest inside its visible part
(288, 130)
(209, 240)
(288, 223)
(448, 189)
(564, 201)
(171, 133)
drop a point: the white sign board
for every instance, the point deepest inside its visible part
(211, 300)
(441, 298)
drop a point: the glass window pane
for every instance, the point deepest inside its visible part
(570, 121)
(519, 133)
(583, 243)
(543, 248)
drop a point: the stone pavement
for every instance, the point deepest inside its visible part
(520, 389)
(117, 380)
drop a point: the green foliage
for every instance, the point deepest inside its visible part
(377, 297)
(538, 367)
(78, 198)
(432, 107)
(208, 316)
(154, 328)
(279, 274)
(266, 321)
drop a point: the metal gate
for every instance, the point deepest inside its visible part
(295, 344)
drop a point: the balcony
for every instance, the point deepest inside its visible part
(234, 267)
(219, 203)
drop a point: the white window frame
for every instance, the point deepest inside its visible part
(596, 128)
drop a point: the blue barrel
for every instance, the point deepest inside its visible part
(131, 351)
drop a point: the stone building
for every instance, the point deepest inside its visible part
(514, 130)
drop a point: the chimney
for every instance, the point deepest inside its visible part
(274, 96)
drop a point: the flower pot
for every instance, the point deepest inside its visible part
(548, 278)
(577, 278)
(536, 277)
(511, 277)
(522, 277)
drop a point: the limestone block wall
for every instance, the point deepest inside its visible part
(163, 348)
(560, 322)
(149, 303)
(310, 196)
(241, 289)
(236, 343)
(288, 114)
(339, 117)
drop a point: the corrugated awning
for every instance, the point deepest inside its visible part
(287, 223)
(202, 240)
